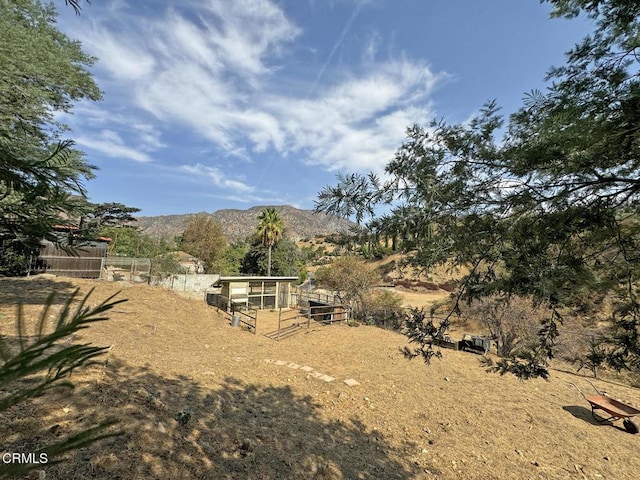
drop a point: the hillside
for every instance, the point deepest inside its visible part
(254, 413)
(238, 224)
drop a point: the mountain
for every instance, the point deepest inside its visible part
(238, 224)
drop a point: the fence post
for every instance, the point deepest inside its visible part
(279, 319)
(309, 317)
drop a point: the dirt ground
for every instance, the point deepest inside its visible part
(172, 357)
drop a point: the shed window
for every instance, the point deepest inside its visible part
(255, 288)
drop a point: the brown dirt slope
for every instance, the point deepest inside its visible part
(404, 420)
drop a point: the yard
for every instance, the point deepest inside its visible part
(246, 408)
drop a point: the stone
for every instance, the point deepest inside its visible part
(295, 366)
(306, 368)
(326, 378)
(247, 445)
(280, 362)
(351, 382)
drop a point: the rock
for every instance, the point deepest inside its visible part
(161, 428)
(351, 382)
(208, 448)
(247, 445)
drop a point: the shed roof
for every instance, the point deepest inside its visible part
(254, 279)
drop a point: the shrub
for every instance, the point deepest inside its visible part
(509, 321)
(351, 278)
(383, 308)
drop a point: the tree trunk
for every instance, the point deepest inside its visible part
(269, 262)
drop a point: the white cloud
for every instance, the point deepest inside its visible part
(361, 122)
(110, 143)
(125, 61)
(103, 131)
(372, 47)
(217, 177)
(214, 70)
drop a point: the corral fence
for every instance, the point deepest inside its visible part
(244, 316)
(237, 314)
(79, 262)
(312, 309)
(299, 297)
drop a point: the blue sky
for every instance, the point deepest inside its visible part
(212, 104)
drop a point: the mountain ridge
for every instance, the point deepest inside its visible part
(237, 224)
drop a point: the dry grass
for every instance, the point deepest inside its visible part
(405, 420)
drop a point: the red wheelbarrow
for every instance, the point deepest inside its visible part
(614, 408)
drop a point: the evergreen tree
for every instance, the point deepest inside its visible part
(43, 74)
(551, 210)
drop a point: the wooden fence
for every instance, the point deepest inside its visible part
(292, 322)
(245, 316)
(81, 262)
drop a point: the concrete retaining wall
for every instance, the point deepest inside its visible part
(189, 282)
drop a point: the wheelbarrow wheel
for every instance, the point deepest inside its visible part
(629, 426)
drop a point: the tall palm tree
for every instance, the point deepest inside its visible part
(270, 230)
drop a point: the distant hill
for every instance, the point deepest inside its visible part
(238, 224)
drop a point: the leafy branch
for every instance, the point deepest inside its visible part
(47, 361)
(426, 333)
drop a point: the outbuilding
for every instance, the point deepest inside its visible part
(255, 292)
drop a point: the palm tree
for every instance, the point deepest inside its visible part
(270, 230)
